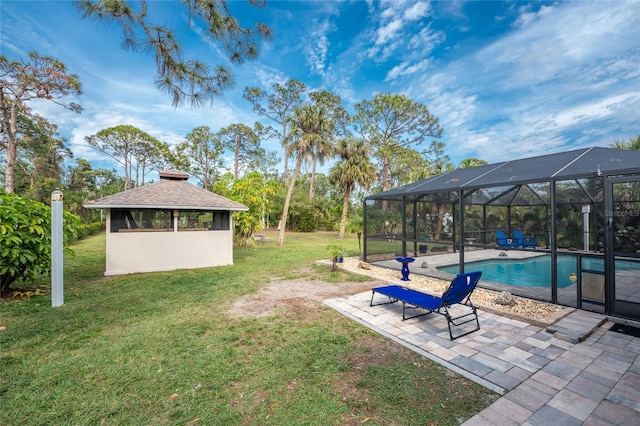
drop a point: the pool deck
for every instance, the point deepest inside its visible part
(574, 372)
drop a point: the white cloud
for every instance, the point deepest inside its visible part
(527, 17)
(417, 11)
(267, 77)
(426, 40)
(389, 31)
(591, 111)
(407, 69)
(556, 43)
(397, 20)
(317, 54)
(315, 41)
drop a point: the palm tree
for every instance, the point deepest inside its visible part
(319, 153)
(310, 127)
(631, 144)
(354, 168)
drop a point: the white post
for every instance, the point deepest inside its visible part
(57, 279)
(585, 226)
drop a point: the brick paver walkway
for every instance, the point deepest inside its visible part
(544, 379)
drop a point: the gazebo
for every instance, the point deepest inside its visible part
(584, 204)
(167, 225)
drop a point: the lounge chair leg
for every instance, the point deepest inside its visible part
(452, 321)
(391, 300)
(404, 317)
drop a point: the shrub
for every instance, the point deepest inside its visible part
(336, 251)
(25, 238)
(304, 220)
(89, 229)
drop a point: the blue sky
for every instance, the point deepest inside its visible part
(506, 79)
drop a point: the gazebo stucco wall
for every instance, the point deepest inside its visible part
(167, 225)
(133, 252)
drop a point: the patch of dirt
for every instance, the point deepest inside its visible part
(293, 294)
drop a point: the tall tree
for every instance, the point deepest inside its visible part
(406, 166)
(185, 80)
(135, 150)
(310, 127)
(389, 122)
(340, 118)
(204, 151)
(354, 168)
(244, 143)
(149, 154)
(83, 183)
(39, 166)
(278, 106)
(40, 77)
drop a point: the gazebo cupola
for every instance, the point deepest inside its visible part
(174, 175)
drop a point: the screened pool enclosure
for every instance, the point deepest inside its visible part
(584, 204)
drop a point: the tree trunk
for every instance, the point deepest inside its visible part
(286, 153)
(236, 159)
(12, 148)
(345, 207)
(313, 177)
(287, 201)
(10, 166)
(385, 183)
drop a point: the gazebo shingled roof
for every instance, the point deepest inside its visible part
(167, 194)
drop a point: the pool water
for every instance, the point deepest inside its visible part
(535, 271)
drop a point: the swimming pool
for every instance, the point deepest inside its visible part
(535, 271)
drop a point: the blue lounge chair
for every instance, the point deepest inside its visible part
(459, 292)
(524, 241)
(503, 241)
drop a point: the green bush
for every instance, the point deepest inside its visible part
(25, 238)
(89, 229)
(304, 220)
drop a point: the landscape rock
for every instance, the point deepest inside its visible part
(505, 298)
(364, 265)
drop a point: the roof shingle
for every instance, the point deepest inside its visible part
(167, 194)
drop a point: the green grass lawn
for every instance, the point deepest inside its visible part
(162, 348)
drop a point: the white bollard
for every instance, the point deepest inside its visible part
(57, 259)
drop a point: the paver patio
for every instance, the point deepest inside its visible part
(564, 376)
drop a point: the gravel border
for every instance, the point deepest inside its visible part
(531, 311)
